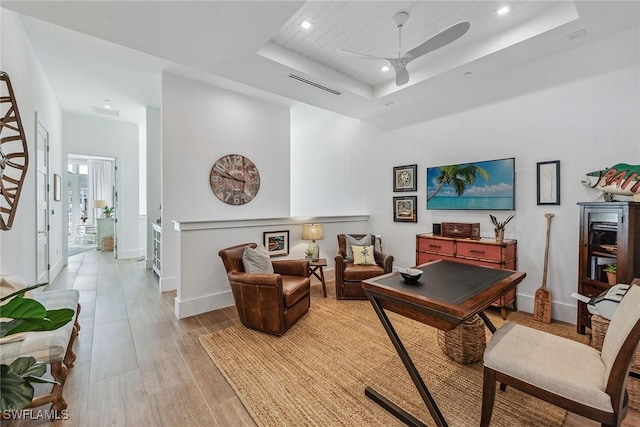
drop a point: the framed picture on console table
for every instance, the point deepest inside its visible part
(404, 178)
(404, 209)
(548, 174)
(276, 242)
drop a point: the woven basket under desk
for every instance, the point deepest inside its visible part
(599, 326)
(465, 343)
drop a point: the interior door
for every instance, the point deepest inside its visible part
(42, 204)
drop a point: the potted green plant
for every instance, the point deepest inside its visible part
(108, 211)
(26, 315)
(499, 226)
(308, 254)
(611, 271)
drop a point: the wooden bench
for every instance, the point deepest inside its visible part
(54, 348)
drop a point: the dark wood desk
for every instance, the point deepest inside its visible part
(446, 295)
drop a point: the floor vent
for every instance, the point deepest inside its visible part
(314, 84)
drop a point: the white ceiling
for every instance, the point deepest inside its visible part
(96, 50)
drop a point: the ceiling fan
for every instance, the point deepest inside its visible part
(399, 64)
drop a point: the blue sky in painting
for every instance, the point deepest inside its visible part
(500, 183)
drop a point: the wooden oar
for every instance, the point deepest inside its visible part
(542, 304)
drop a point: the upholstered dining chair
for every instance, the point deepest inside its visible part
(563, 372)
(268, 302)
(348, 274)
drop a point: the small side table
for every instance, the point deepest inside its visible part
(314, 266)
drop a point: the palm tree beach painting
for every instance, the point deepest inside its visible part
(486, 185)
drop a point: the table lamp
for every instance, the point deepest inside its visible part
(99, 204)
(313, 232)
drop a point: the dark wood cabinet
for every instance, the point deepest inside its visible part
(487, 252)
(609, 234)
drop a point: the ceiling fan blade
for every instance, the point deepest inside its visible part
(402, 75)
(358, 55)
(399, 65)
(441, 39)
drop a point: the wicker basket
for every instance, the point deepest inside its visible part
(107, 244)
(599, 326)
(465, 343)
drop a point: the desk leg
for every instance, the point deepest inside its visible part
(487, 322)
(398, 412)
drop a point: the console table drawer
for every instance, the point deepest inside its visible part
(424, 257)
(444, 247)
(479, 251)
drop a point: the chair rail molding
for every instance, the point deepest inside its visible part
(190, 225)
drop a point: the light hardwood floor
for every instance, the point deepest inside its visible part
(137, 365)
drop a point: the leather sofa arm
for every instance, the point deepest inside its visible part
(384, 260)
(339, 268)
(255, 278)
(291, 267)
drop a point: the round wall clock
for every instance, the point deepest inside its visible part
(235, 179)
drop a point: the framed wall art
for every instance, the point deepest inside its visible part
(276, 242)
(404, 209)
(485, 185)
(548, 182)
(404, 178)
(57, 187)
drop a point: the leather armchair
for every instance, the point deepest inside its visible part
(349, 276)
(269, 303)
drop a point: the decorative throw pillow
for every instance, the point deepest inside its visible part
(257, 260)
(363, 255)
(352, 241)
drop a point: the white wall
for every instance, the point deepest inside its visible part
(581, 107)
(200, 124)
(33, 94)
(94, 136)
(330, 175)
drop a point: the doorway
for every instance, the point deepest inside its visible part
(42, 203)
(91, 204)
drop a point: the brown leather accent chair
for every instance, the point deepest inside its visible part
(349, 276)
(270, 303)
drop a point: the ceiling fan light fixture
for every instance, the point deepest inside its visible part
(503, 10)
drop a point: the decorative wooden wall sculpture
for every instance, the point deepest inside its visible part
(14, 158)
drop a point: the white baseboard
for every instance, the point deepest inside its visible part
(131, 253)
(203, 304)
(57, 268)
(559, 310)
(168, 283)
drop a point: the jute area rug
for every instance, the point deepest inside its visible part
(316, 373)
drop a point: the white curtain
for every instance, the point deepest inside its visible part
(100, 183)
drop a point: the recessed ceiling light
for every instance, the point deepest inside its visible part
(503, 10)
(385, 68)
(306, 24)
